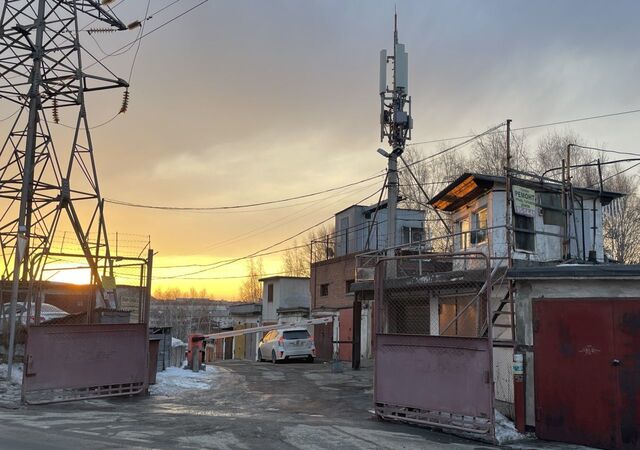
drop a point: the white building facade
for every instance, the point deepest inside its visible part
(477, 207)
(285, 299)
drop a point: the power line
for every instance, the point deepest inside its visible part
(259, 252)
(270, 202)
(231, 277)
(246, 205)
(455, 147)
(164, 24)
(605, 150)
(135, 56)
(530, 127)
(275, 223)
(616, 174)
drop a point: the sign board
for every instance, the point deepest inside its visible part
(524, 201)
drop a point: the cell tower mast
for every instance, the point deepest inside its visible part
(41, 71)
(395, 123)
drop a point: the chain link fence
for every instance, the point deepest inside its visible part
(435, 295)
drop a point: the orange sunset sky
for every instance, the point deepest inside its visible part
(244, 102)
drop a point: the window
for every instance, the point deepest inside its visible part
(296, 334)
(412, 235)
(462, 234)
(525, 233)
(347, 287)
(551, 204)
(479, 227)
(270, 293)
(324, 290)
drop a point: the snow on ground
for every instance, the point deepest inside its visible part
(10, 391)
(506, 430)
(175, 380)
(175, 342)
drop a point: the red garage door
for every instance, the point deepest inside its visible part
(587, 371)
(323, 338)
(346, 334)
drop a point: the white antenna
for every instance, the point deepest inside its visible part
(383, 72)
(395, 122)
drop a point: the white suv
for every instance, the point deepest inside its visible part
(289, 343)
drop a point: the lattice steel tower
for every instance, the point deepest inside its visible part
(41, 72)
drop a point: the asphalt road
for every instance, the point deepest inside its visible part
(237, 405)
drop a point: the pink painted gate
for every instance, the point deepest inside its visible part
(72, 362)
(433, 348)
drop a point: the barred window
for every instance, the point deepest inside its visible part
(479, 227)
(525, 233)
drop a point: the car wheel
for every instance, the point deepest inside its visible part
(260, 356)
(310, 359)
(273, 357)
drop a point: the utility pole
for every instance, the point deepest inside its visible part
(509, 207)
(42, 71)
(395, 125)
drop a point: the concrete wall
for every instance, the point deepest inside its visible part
(527, 290)
(287, 293)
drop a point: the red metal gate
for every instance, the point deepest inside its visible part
(427, 373)
(345, 323)
(323, 339)
(72, 362)
(587, 371)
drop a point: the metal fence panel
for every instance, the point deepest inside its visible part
(71, 362)
(433, 349)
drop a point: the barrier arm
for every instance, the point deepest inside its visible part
(232, 333)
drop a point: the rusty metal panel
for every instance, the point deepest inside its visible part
(436, 375)
(445, 375)
(70, 362)
(627, 352)
(345, 322)
(323, 339)
(575, 382)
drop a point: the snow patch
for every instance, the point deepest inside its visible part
(175, 342)
(10, 391)
(505, 430)
(174, 380)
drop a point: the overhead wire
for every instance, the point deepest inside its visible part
(240, 206)
(605, 150)
(261, 251)
(530, 127)
(276, 223)
(616, 174)
(164, 24)
(138, 39)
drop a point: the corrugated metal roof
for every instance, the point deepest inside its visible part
(469, 186)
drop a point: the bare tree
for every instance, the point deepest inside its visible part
(432, 176)
(251, 288)
(489, 154)
(621, 221)
(552, 150)
(295, 261)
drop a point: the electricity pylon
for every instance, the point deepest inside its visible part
(41, 72)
